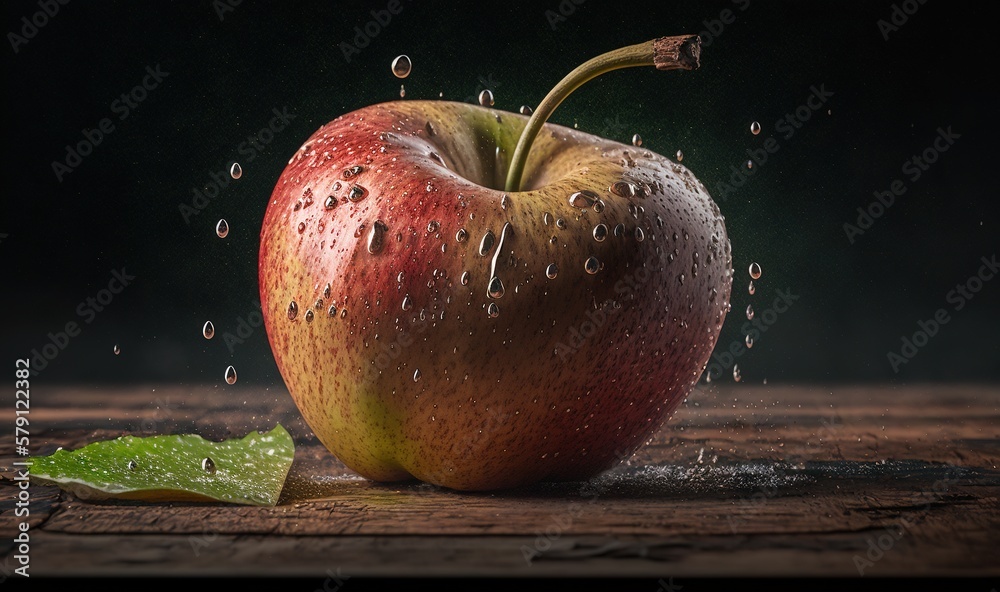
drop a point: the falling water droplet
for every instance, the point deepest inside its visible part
(755, 128)
(401, 66)
(552, 271)
(293, 310)
(736, 372)
(402, 91)
(486, 244)
(376, 237)
(495, 289)
(600, 232)
(208, 465)
(222, 228)
(416, 375)
(486, 98)
(680, 156)
(236, 171)
(525, 110)
(755, 271)
(231, 375)
(749, 341)
(493, 310)
(117, 349)
(208, 330)
(637, 140)
(751, 288)
(749, 164)
(749, 312)
(583, 199)
(592, 265)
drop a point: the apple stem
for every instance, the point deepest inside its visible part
(665, 53)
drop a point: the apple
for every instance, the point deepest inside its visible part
(431, 324)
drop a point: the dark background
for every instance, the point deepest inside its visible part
(60, 241)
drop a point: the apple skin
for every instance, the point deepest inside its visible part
(569, 378)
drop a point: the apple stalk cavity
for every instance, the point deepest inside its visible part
(431, 323)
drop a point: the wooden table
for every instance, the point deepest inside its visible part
(743, 480)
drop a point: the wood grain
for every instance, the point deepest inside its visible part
(743, 480)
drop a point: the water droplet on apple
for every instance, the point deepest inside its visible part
(208, 465)
(330, 203)
(357, 193)
(402, 91)
(680, 278)
(637, 140)
(132, 465)
(486, 244)
(416, 375)
(755, 128)
(309, 316)
(116, 349)
(583, 199)
(327, 289)
(560, 224)
(622, 189)
(751, 288)
(302, 227)
(343, 313)
(504, 201)
(493, 310)
(592, 265)
(749, 164)
(353, 171)
(600, 232)
(552, 271)
(749, 312)
(208, 331)
(749, 341)
(231, 375)
(680, 156)
(495, 289)
(430, 129)
(462, 235)
(293, 310)
(332, 312)
(401, 66)
(755, 271)
(407, 303)
(360, 230)
(376, 237)
(525, 110)
(620, 230)
(465, 278)
(736, 373)
(222, 228)
(641, 236)
(486, 98)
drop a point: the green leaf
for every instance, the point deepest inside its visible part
(250, 470)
